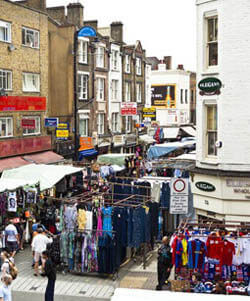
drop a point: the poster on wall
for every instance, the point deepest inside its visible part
(179, 196)
(163, 96)
(12, 202)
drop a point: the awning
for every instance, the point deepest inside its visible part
(146, 139)
(170, 133)
(44, 158)
(14, 184)
(87, 153)
(189, 130)
(13, 162)
(113, 159)
(104, 144)
(47, 175)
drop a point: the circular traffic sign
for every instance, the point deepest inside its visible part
(179, 185)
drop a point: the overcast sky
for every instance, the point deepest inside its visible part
(165, 27)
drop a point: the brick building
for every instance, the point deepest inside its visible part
(23, 83)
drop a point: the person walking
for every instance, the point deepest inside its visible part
(164, 264)
(12, 238)
(5, 292)
(50, 272)
(5, 267)
(39, 244)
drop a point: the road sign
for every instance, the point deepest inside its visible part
(51, 122)
(179, 196)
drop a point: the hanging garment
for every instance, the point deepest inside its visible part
(27, 232)
(107, 221)
(246, 249)
(12, 202)
(165, 195)
(184, 253)
(89, 220)
(99, 223)
(156, 191)
(81, 219)
(70, 217)
(227, 253)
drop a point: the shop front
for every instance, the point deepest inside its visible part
(130, 143)
(118, 144)
(221, 197)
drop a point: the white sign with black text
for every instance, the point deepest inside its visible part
(179, 196)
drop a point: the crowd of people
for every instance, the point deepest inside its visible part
(11, 243)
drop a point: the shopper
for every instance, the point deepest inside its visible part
(164, 264)
(39, 244)
(5, 267)
(50, 272)
(5, 292)
(12, 238)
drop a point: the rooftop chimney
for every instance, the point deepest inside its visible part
(75, 14)
(162, 66)
(36, 4)
(92, 23)
(168, 62)
(57, 13)
(180, 67)
(117, 31)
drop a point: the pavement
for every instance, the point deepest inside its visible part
(80, 287)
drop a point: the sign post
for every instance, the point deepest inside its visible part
(179, 196)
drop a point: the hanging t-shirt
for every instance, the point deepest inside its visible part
(228, 252)
(238, 245)
(89, 217)
(12, 202)
(246, 249)
(214, 249)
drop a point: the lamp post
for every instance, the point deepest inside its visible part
(85, 31)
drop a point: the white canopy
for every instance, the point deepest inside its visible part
(147, 139)
(47, 175)
(13, 184)
(171, 133)
(124, 294)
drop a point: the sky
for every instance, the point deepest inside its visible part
(164, 27)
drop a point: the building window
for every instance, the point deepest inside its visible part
(100, 123)
(115, 124)
(100, 89)
(31, 82)
(139, 92)
(181, 95)
(212, 41)
(115, 87)
(186, 96)
(115, 55)
(128, 122)
(5, 79)
(127, 91)
(83, 52)
(36, 130)
(6, 127)
(84, 125)
(127, 63)
(100, 57)
(138, 66)
(30, 37)
(83, 86)
(5, 31)
(211, 130)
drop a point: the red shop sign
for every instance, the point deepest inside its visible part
(22, 103)
(128, 109)
(28, 124)
(22, 146)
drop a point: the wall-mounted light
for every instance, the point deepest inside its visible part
(11, 47)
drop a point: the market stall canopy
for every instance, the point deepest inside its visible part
(189, 130)
(125, 294)
(48, 157)
(189, 157)
(159, 150)
(171, 133)
(47, 175)
(13, 162)
(146, 139)
(87, 153)
(14, 184)
(113, 159)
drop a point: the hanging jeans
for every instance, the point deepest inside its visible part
(49, 293)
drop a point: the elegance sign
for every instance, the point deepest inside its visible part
(87, 31)
(204, 186)
(210, 86)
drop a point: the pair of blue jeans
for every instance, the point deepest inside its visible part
(50, 289)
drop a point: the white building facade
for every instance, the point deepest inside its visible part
(170, 91)
(221, 180)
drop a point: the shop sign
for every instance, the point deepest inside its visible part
(149, 113)
(163, 96)
(29, 124)
(51, 122)
(204, 186)
(63, 126)
(179, 196)
(14, 147)
(128, 109)
(210, 86)
(238, 183)
(62, 134)
(86, 143)
(22, 103)
(87, 31)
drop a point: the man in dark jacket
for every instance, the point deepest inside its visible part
(164, 264)
(50, 272)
